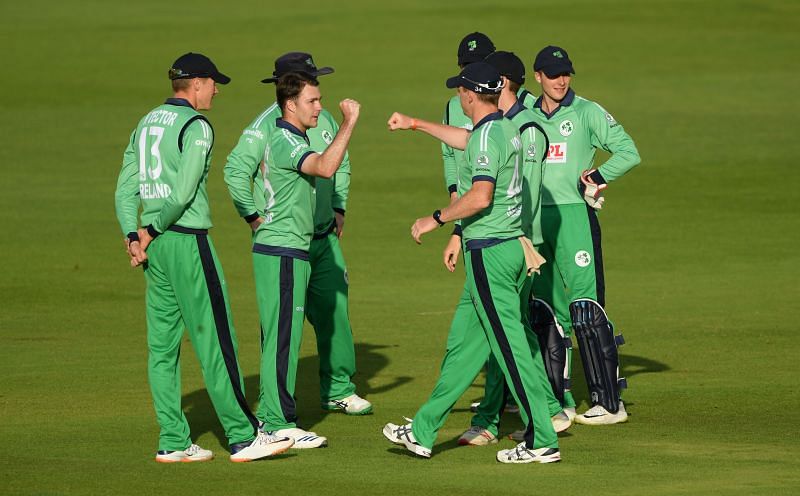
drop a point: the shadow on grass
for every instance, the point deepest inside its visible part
(202, 419)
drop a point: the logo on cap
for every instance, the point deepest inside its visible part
(565, 128)
(558, 54)
(472, 45)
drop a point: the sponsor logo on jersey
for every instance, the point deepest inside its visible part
(610, 118)
(346, 278)
(582, 258)
(467, 126)
(482, 160)
(557, 154)
(565, 128)
(326, 136)
(531, 150)
(514, 211)
(253, 132)
(297, 149)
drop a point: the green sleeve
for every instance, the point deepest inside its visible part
(341, 180)
(486, 163)
(126, 197)
(241, 169)
(449, 158)
(196, 149)
(608, 134)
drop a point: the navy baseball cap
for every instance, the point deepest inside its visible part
(296, 62)
(473, 48)
(553, 60)
(508, 65)
(195, 65)
(479, 77)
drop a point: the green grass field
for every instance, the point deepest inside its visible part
(700, 243)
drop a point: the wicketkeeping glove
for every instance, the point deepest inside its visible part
(591, 185)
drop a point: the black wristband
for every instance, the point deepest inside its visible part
(437, 216)
(133, 236)
(452, 189)
(457, 230)
(152, 231)
(250, 218)
(339, 210)
(597, 177)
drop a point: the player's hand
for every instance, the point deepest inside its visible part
(451, 252)
(137, 254)
(144, 242)
(254, 225)
(591, 191)
(399, 121)
(339, 219)
(350, 110)
(421, 226)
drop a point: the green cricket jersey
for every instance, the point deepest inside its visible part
(165, 168)
(243, 163)
(456, 172)
(533, 153)
(493, 154)
(576, 129)
(289, 195)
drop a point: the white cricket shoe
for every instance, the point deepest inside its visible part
(477, 436)
(571, 413)
(510, 407)
(597, 415)
(193, 453)
(521, 454)
(303, 439)
(352, 405)
(561, 422)
(262, 446)
(401, 434)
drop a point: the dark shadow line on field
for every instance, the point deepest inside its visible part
(202, 419)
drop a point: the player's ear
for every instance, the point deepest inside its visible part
(291, 105)
(538, 76)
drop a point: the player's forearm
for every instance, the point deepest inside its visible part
(126, 198)
(450, 169)
(624, 157)
(239, 179)
(329, 161)
(472, 202)
(452, 136)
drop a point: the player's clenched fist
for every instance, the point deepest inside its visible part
(350, 109)
(399, 121)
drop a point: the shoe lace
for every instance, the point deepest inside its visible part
(475, 429)
(192, 450)
(596, 410)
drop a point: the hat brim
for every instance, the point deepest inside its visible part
(454, 82)
(220, 78)
(555, 70)
(319, 72)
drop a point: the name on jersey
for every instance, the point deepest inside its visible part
(163, 117)
(557, 153)
(152, 191)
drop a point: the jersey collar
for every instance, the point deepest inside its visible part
(491, 117)
(279, 122)
(181, 102)
(515, 109)
(566, 102)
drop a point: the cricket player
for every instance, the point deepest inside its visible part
(164, 172)
(498, 258)
(570, 293)
(326, 300)
(282, 241)
(484, 425)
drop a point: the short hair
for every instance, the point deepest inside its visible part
(492, 98)
(513, 86)
(290, 85)
(181, 84)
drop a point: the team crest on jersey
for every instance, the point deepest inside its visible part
(582, 258)
(326, 136)
(557, 154)
(531, 150)
(565, 128)
(482, 160)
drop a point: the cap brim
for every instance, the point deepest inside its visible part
(319, 72)
(221, 78)
(555, 70)
(453, 82)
